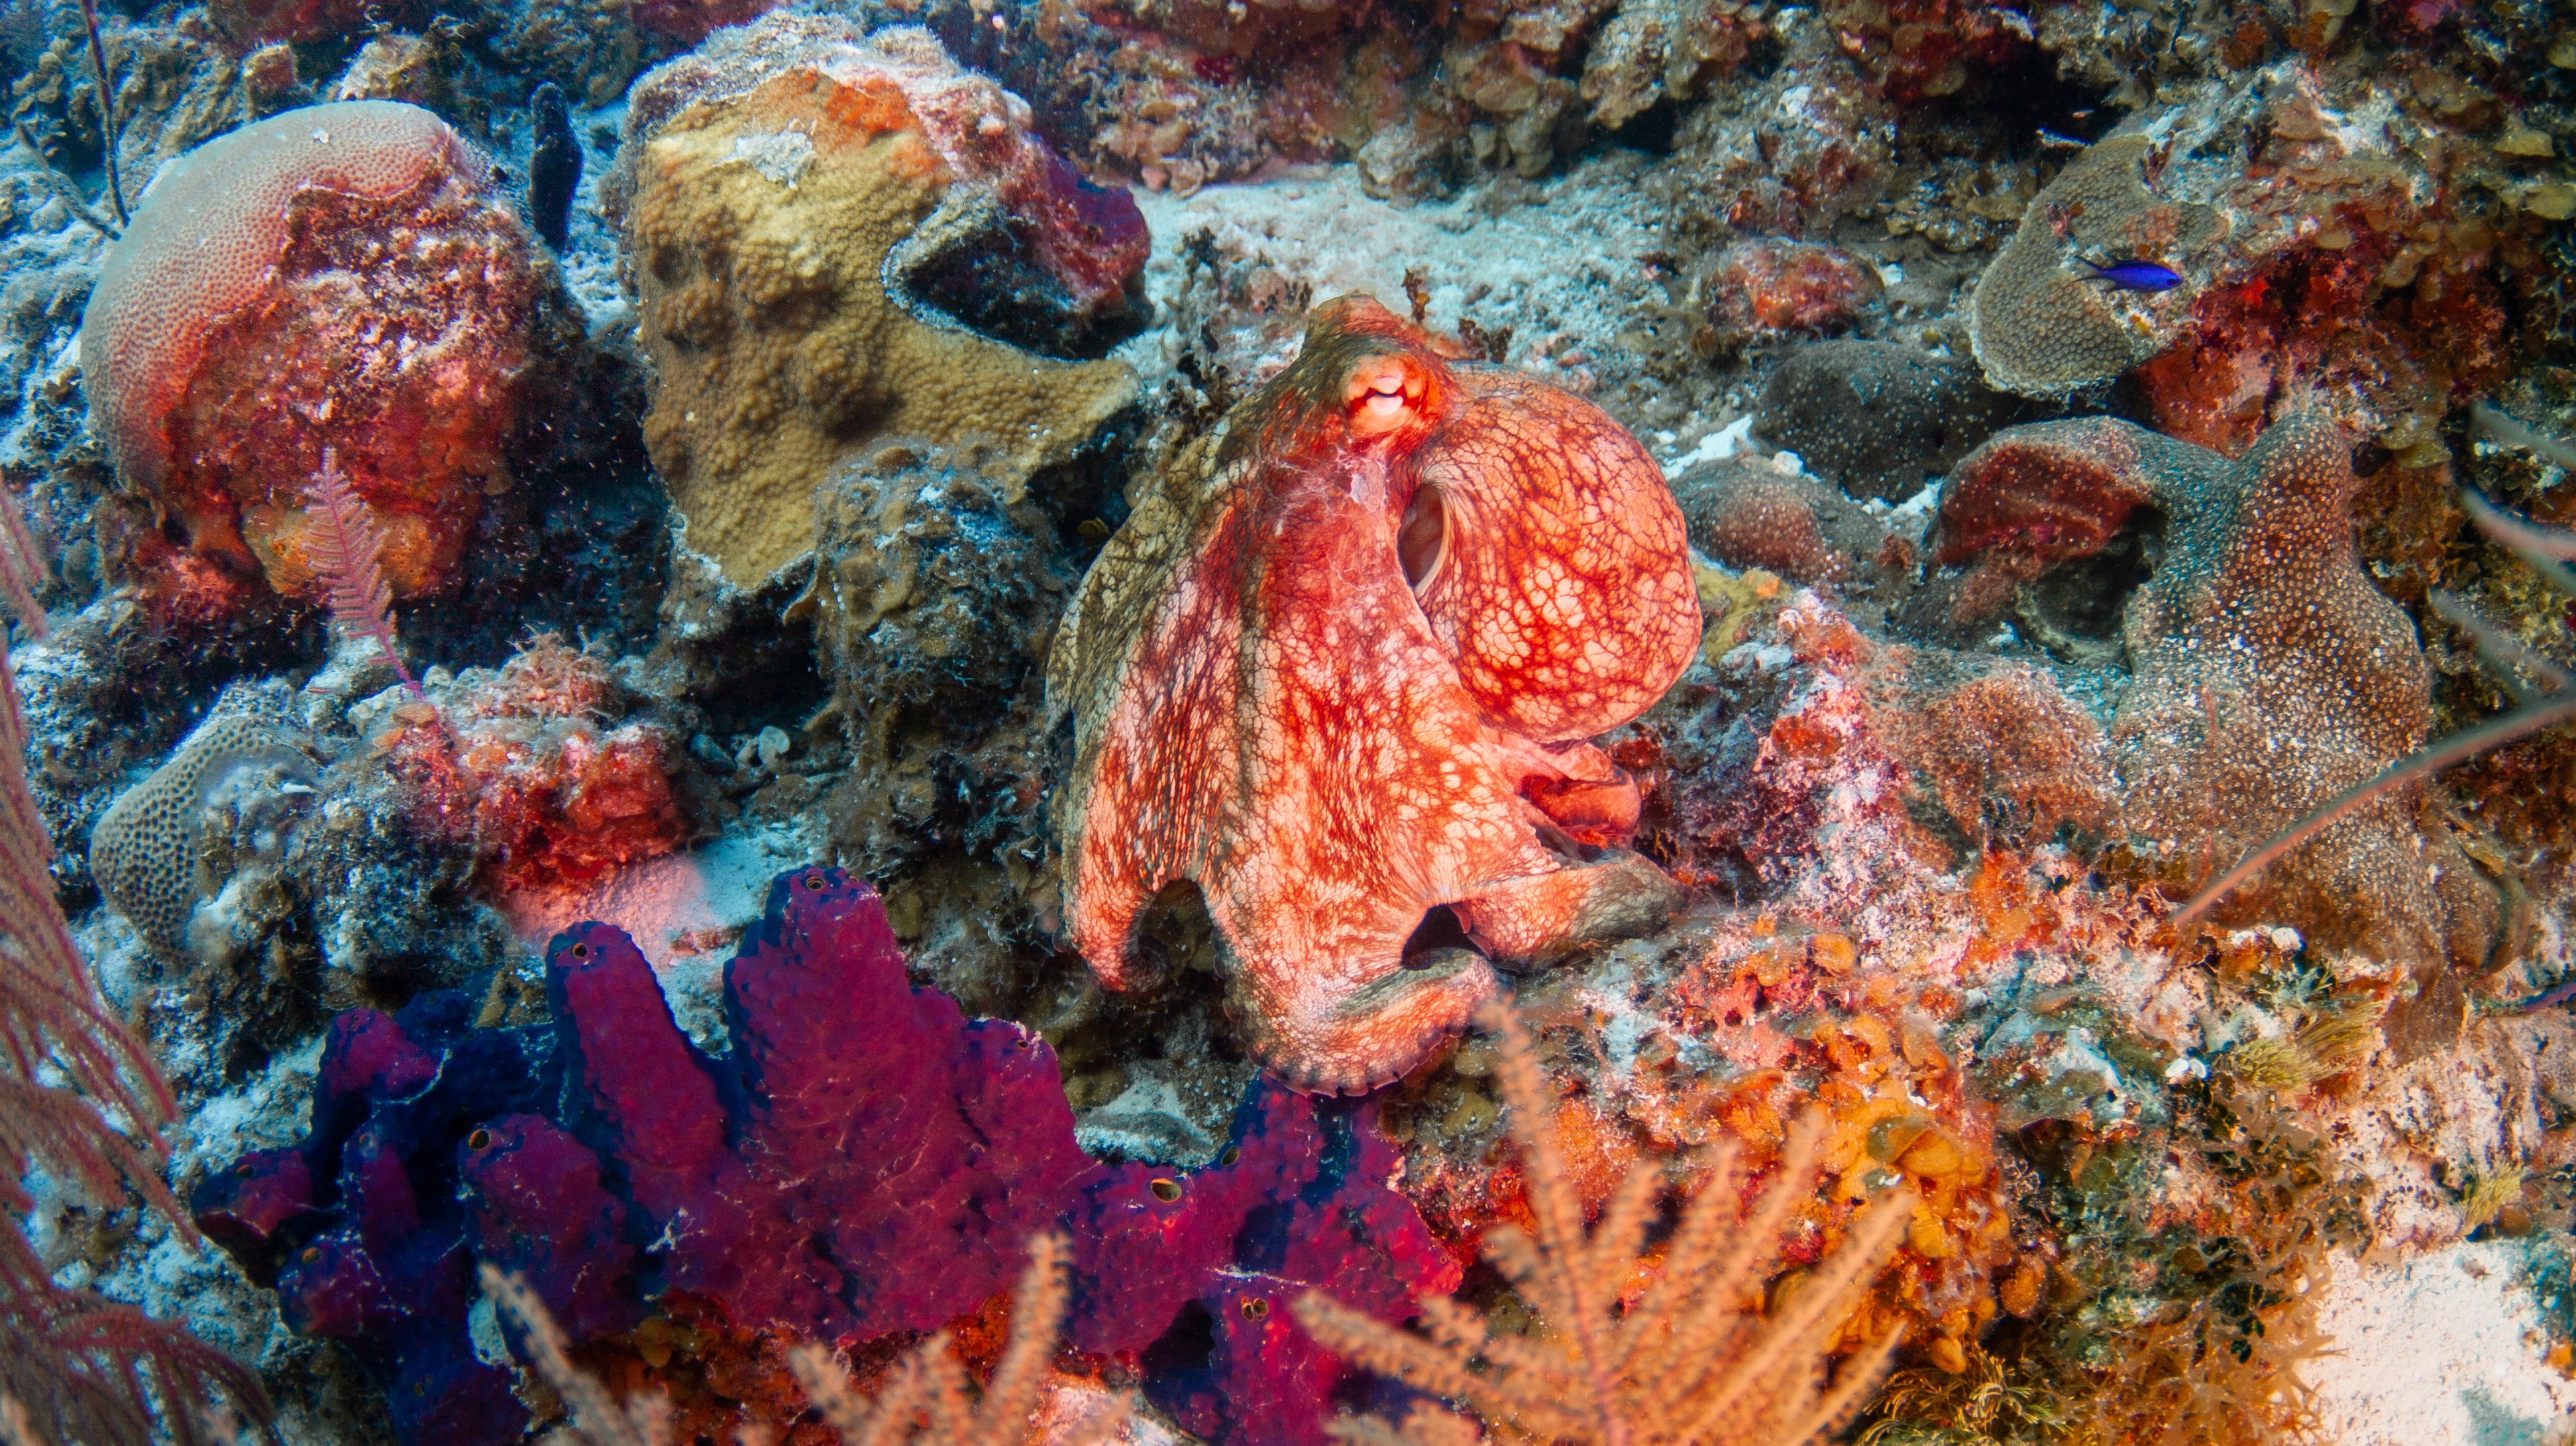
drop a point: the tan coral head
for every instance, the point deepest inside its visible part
(1337, 673)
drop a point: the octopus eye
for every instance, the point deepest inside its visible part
(1166, 1191)
(581, 951)
(1383, 393)
(814, 881)
(479, 1140)
(1424, 535)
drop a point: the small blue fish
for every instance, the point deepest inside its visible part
(2137, 275)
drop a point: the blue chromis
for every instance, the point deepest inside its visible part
(2137, 275)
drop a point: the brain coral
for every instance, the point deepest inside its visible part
(1337, 671)
(144, 851)
(2041, 322)
(779, 189)
(2270, 673)
(344, 275)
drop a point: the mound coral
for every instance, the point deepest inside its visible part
(2042, 322)
(786, 194)
(1335, 674)
(1876, 418)
(342, 276)
(2270, 673)
(864, 1161)
(1750, 512)
(145, 850)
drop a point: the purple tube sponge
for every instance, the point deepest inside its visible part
(360, 1228)
(1199, 1289)
(863, 1160)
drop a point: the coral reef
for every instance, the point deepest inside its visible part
(916, 436)
(272, 280)
(790, 197)
(1372, 556)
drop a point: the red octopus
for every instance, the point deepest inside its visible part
(1336, 674)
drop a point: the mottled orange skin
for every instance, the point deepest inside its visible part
(1267, 706)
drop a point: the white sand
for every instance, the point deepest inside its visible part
(2444, 1349)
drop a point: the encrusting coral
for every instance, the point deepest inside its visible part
(1335, 675)
(540, 768)
(2043, 323)
(344, 276)
(2547, 553)
(1635, 1343)
(784, 191)
(2270, 673)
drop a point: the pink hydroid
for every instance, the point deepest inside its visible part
(344, 552)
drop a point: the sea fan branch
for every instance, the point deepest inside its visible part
(1692, 1363)
(81, 1096)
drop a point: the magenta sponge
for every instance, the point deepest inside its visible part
(864, 1160)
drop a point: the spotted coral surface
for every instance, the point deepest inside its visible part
(781, 188)
(344, 276)
(1335, 674)
(2042, 322)
(1748, 512)
(2270, 673)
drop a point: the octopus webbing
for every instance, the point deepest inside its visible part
(1337, 673)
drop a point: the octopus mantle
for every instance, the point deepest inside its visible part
(1336, 674)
